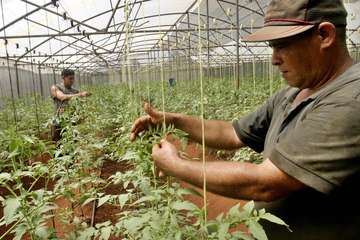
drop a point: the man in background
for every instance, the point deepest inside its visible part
(61, 94)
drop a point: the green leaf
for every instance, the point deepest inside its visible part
(220, 217)
(249, 206)
(28, 139)
(87, 234)
(223, 231)
(186, 205)
(261, 211)
(13, 154)
(48, 207)
(274, 219)
(212, 227)
(20, 230)
(188, 191)
(178, 236)
(4, 177)
(146, 233)
(133, 224)
(123, 198)
(42, 232)
(103, 200)
(130, 155)
(257, 230)
(234, 211)
(103, 224)
(242, 236)
(99, 145)
(10, 209)
(145, 199)
(105, 233)
(88, 201)
(126, 184)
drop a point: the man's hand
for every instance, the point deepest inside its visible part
(154, 117)
(166, 157)
(84, 94)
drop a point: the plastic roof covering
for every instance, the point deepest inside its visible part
(223, 15)
(85, 48)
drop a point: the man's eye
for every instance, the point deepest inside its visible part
(278, 46)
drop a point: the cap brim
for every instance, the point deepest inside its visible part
(269, 33)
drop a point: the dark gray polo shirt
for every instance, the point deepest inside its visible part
(318, 143)
(60, 105)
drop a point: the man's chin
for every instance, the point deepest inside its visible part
(290, 82)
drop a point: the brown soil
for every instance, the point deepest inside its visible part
(45, 136)
(108, 212)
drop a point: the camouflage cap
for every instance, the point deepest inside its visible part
(286, 18)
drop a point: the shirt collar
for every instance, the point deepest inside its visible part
(350, 75)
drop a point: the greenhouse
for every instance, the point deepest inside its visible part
(179, 119)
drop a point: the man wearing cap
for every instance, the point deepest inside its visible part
(309, 132)
(61, 94)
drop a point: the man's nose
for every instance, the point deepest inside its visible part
(275, 59)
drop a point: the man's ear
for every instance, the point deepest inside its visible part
(327, 34)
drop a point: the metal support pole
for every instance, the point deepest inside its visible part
(17, 79)
(189, 52)
(170, 69)
(54, 75)
(159, 60)
(176, 56)
(237, 46)
(41, 83)
(12, 92)
(79, 78)
(208, 38)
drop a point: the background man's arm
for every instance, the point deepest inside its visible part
(56, 93)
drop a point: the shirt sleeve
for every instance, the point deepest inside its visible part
(323, 151)
(252, 129)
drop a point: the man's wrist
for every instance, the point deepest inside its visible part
(179, 167)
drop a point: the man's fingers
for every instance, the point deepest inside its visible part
(150, 110)
(156, 147)
(163, 142)
(135, 132)
(161, 174)
(140, 123)
(137, 129)
(136, 123)
(133, 137)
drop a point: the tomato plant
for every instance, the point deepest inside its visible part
(95, 130)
